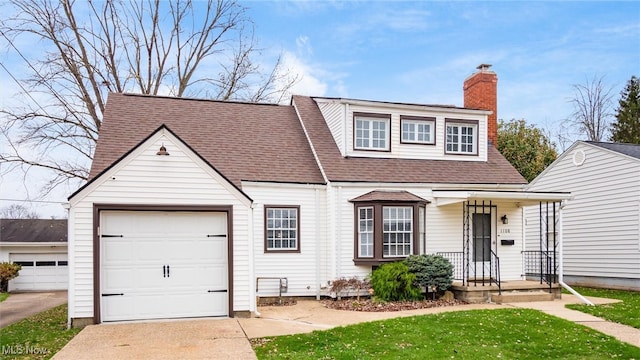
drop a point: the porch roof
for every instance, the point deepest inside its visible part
(447, 197)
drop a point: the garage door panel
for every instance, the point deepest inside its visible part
(133, 262)
(40, 272)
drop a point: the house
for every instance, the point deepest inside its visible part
(198, 207)
(601, 224)
(40, 247)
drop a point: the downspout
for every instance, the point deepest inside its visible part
(252, 260)
(318, 243)
(561, 266)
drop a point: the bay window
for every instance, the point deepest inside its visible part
(387, 231)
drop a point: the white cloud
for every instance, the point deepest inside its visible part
(309, 77)
(303, 45)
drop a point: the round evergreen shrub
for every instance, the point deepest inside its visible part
(431, 270)
(394, 282)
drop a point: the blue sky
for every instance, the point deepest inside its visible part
(421, 52)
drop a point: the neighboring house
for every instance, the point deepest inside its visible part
(601, 224)
(40, 247)
(196, 207)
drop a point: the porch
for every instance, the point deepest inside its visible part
(506, 292)
(532, 271)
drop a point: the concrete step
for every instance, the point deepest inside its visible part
(520, 296)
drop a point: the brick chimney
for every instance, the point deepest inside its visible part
(481, 92)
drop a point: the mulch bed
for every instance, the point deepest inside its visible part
(371, 306)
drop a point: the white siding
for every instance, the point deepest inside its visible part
(145, 178)
(305, 270)
(339, 118)
(601, 224)
(444, 230)
(333, 113)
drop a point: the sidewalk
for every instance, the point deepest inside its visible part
(557, 308)
(310, 315)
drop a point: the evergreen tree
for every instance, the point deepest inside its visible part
(626, 129)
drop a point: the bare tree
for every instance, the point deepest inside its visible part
(17, 211)
(90, 48)
(592, 103)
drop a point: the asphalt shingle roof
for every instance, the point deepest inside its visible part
(497, 170)
(632, 150)
(243, 141)
(33, 230)
(264, 142)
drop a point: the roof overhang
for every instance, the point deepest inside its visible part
(34, 244)
(448, 197)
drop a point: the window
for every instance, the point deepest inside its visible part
(417, 130)
(371, 131)
(387, 231)
(282, 228)
(461, 137)
(365, 232)
(397, 231)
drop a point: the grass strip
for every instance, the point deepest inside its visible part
(626, 312)
(37, 337)
(476, 334)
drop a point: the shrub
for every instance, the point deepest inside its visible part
(394, 282)
(341, 285)
(431, 270)
(8, 271)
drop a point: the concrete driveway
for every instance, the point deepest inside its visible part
(177, 339)
(22, 305)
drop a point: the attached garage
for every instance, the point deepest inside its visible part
(163, 264)
(40, 272)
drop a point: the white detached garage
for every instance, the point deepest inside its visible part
(40, 247)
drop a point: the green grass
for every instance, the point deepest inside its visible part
(626, 312)
(3, 296)
(477, 334)
(37, 337)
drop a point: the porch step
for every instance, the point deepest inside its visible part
(521, 296)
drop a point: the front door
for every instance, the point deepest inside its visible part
(483, 235)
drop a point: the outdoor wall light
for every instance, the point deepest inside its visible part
(162, 151)
(504, 219)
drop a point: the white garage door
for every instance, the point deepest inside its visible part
(40, 272)
(163, 265)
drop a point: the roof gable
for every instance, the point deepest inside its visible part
(244, 141)
(163, 132)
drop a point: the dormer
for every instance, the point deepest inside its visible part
(363, 128)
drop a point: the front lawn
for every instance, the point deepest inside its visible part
(477, 334)
(626, 312)
(3, 296)
(37, 337)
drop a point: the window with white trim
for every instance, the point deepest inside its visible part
(386, 232)
(397, 231)
(417, 130)
(461, 138)
(282, 229)
(371, 132)
(365, 232)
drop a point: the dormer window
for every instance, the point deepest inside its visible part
(461, 137)
(371, 131)
(418, 130)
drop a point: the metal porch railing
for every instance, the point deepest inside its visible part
(541, 266)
